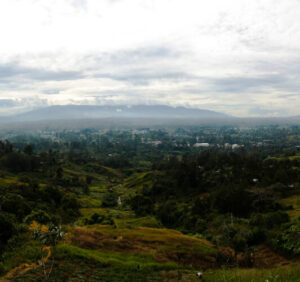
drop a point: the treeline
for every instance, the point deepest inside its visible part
(15, 160)
(204, 171)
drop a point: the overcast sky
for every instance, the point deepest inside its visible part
(240, 57)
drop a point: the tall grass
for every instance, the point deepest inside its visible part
(290, 273)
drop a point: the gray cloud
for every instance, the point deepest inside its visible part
(15, 70)
(131, 56)
(213, 55)
(257, 84)
(138, 66)
(6, 103)
(144, 76)
(142, 68)
(263, 111)
(289, 96)
(51, 91)
(244, 84)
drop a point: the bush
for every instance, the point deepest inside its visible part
(269, 220)
(239, 242)
(275, 219)
(99, 219)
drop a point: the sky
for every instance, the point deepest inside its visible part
(239, 57)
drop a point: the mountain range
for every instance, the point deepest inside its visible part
(71, 112)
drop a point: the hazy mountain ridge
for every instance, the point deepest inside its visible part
(120, 116)
(95, 112)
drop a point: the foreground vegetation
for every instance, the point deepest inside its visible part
(160, 215)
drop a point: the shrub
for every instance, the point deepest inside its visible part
(239, 242)
(275, 219)
(287, 240)
(99, 219)
(39, 216)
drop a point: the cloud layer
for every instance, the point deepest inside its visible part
(237, 56)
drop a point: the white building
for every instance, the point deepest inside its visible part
(198, 145)
(236, 146)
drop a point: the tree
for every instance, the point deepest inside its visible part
(70, 206)
(142, 205)
(234, 200)
(48, 236)
(201, 206)
(110, 199)
(169, 214)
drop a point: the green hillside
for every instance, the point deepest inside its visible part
(75, 216)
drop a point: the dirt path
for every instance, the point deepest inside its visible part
(21, 269)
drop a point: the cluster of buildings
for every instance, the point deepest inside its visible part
(226, 146)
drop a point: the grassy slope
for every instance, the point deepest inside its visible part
(130, 246)
(162, 244)
(293, 201)
(104, 253)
